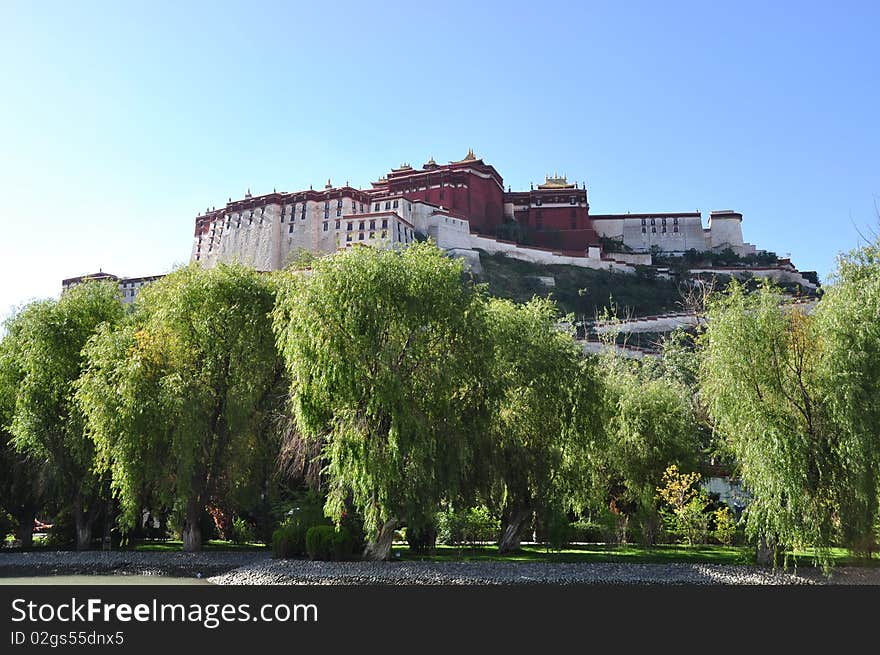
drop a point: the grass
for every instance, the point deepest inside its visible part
(577, 290)
(594, 553)
(589, 553)
(175, 545)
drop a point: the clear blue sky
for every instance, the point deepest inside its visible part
(120, 121)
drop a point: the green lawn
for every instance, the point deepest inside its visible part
(591, 553)
(172, 545)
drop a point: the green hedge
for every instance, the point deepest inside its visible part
(324, 542)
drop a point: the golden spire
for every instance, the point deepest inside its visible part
(328, 185)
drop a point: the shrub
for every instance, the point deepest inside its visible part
(289, 540)
(725, 526)
(457, 527)
(324, 542)
(685, 514)
(587, 530)
(242, 532)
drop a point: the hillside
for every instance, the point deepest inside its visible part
(581, 291)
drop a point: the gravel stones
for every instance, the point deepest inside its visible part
(257, 568)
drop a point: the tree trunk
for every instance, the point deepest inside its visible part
(25, 532)
(192, 532)
(766, 551)
(83, 527)
(511, 535)
(380, 549)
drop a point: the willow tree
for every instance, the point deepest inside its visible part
(48, 425)
(385, 352)
(546, 418)
(848, 318)
(176, 398)
(651, 425)
(760, 379)
(23, 477)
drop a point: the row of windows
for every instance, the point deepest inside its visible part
(674, 221)
(662, 229)
(571, 201)
(372, 235)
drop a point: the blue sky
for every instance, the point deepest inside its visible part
(121, 121)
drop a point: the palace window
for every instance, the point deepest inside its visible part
(290, 229)
(663, 229)
(384, 234)
(675, 228)
(326, 204)
(395, 204)
(362, 208)
(339, 203)
(538, 202)
(361, 225)
(338, 223)
(348, 237)
(643, 222)
(372, 225)
(361, 236)
(372, 235)
(349, 226)
(675, 221)
(387, 205)
(653, 230)
(326, 225)
(572, 200)
(384, 222)
(326, 213)
(644, 230)
(339, 212)
(376, 208)
(652, 221)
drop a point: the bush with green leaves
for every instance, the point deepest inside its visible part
(725, 526)
(242, 531)
(684, 514)
(325, 542)
(467, 526)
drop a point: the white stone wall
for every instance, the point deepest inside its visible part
(724, 230)
(493, 246)
(449, 232)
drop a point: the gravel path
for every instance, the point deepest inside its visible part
(506, 573)
(248, 568)
(176, 564)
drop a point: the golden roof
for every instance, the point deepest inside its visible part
(556, 182)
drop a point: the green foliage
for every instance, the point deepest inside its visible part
(546, 415)
(242, 531)
(177, 397)
(725, 526)
(583, 292)
(848, 318)
(794, 398)
(651, 424)
(467, 526)
(325, 542)
(45, 342)
(289, 540)
(385, 356)
(685, 513)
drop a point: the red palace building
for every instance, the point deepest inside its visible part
(453, 203)
(556, 212)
